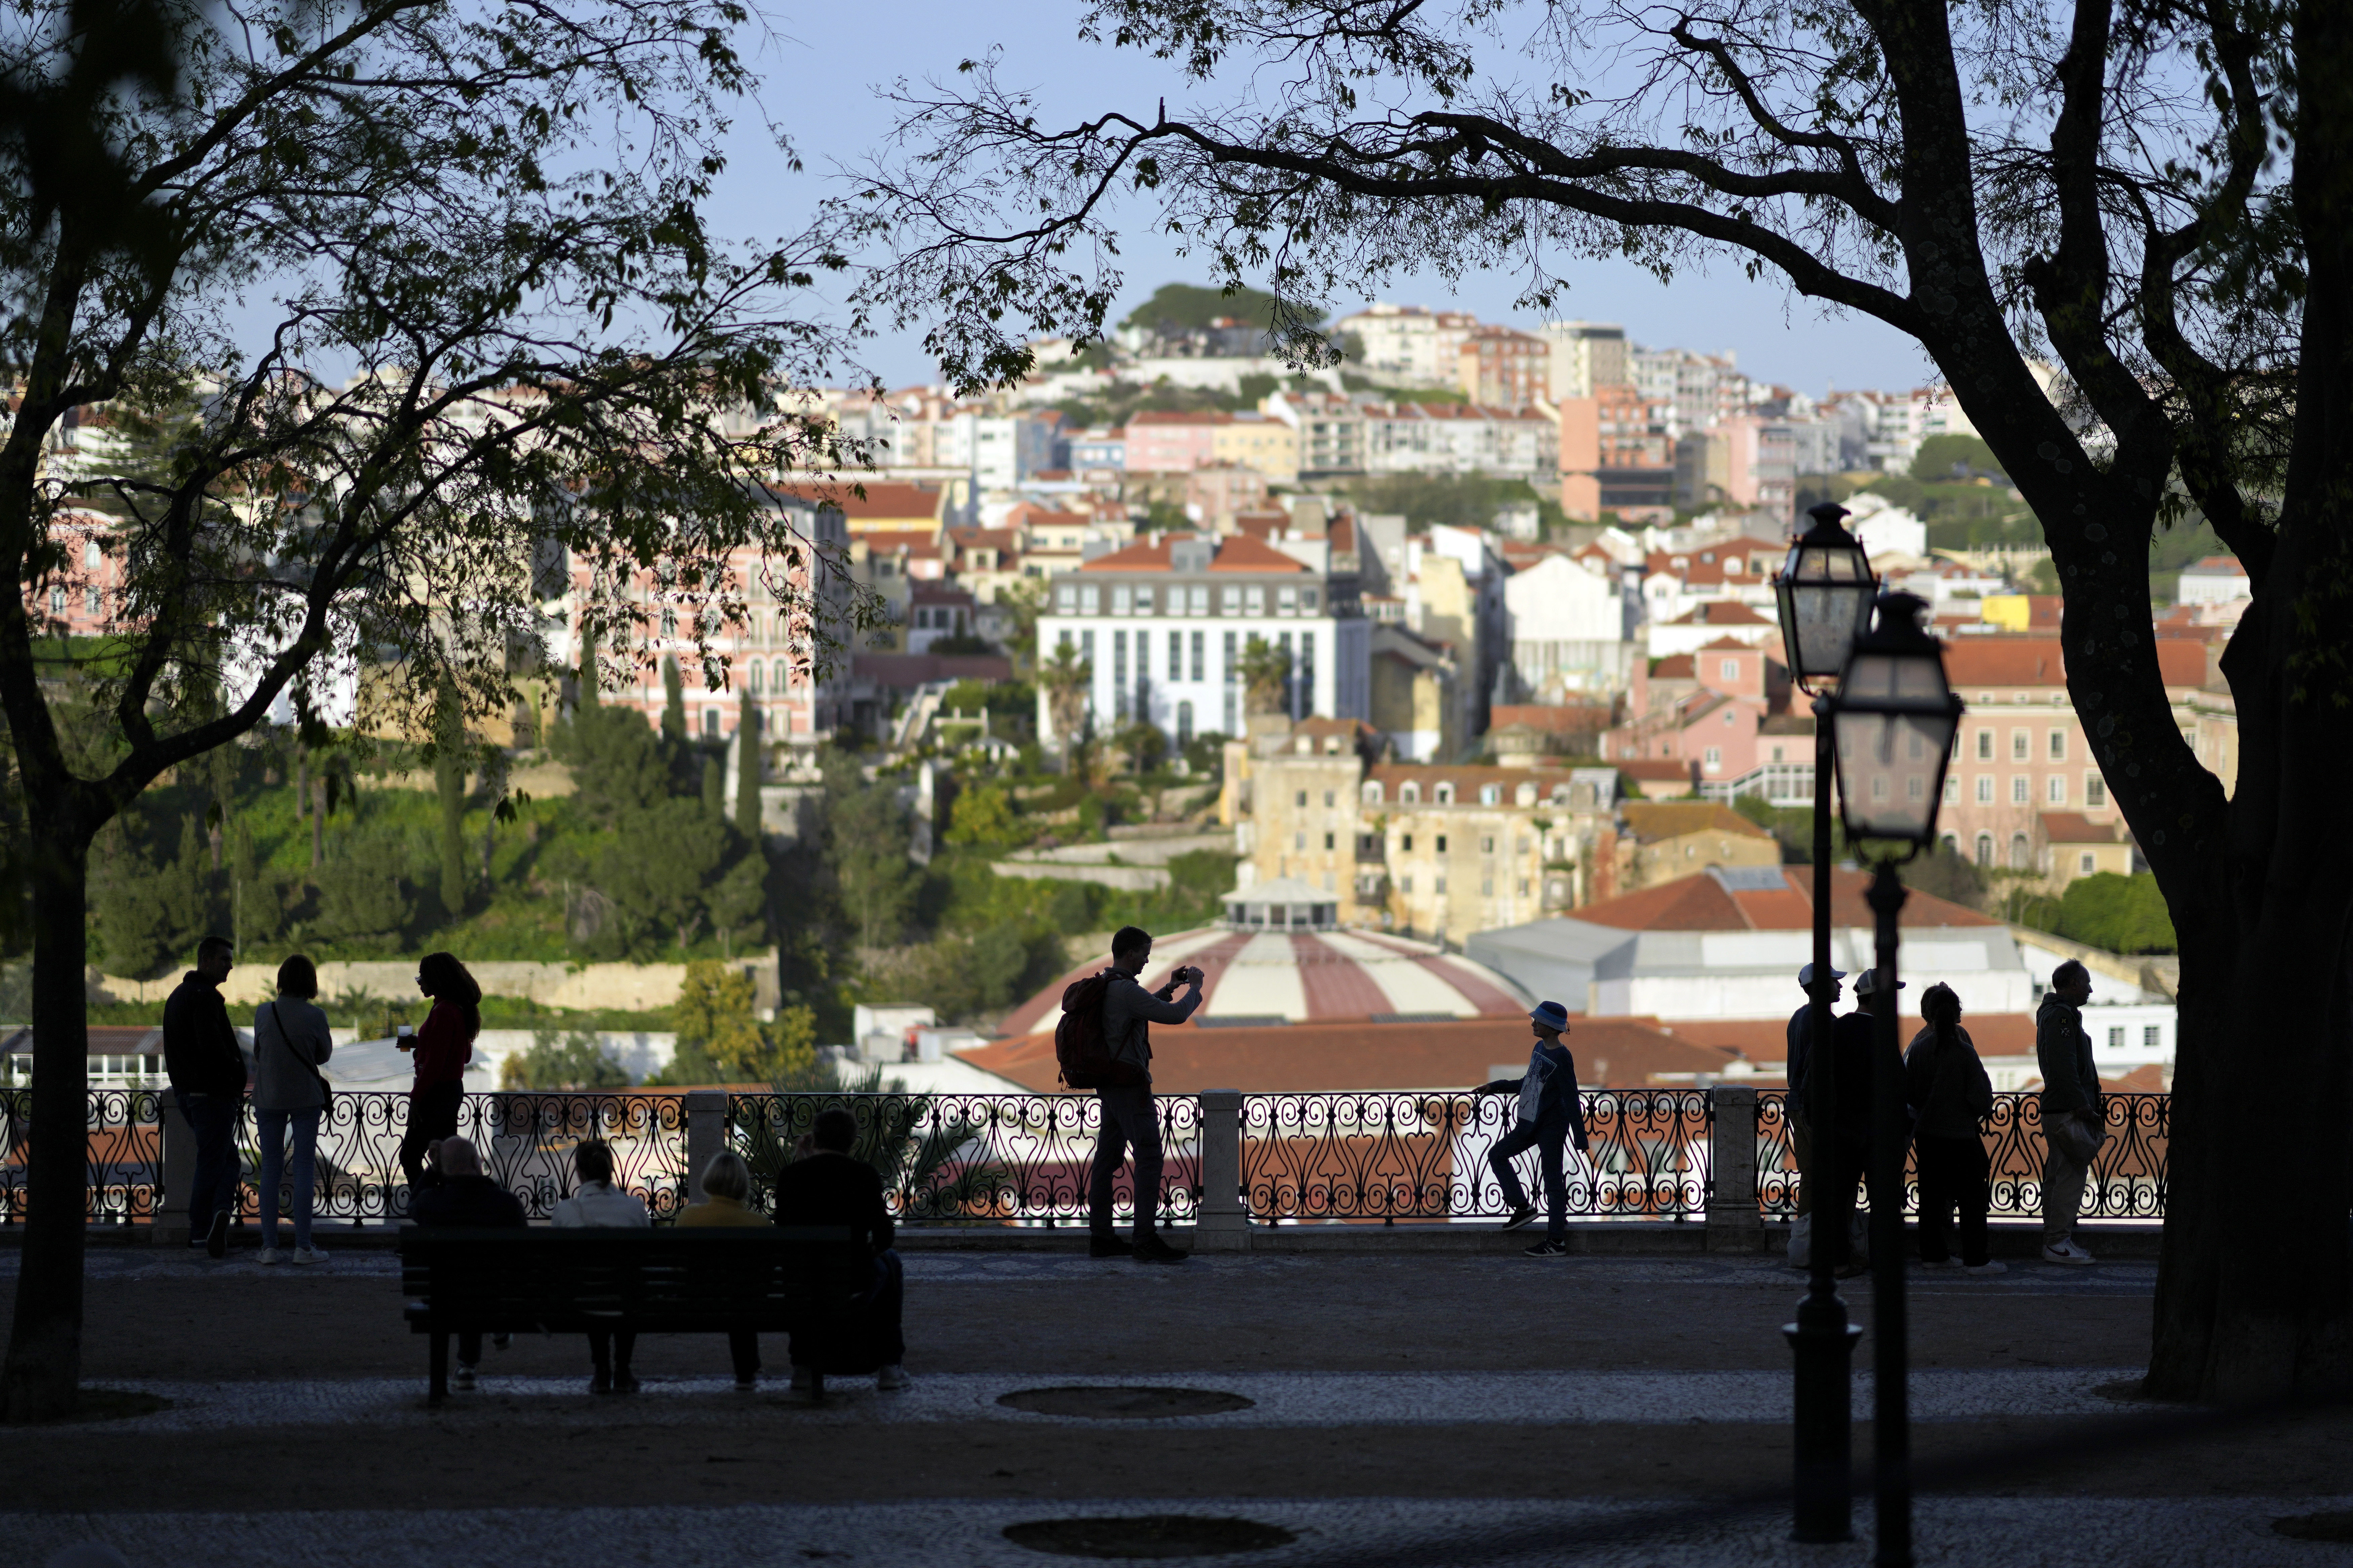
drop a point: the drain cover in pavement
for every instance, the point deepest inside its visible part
(1125, 1403)
(1148, 1535)
(2317, 1526)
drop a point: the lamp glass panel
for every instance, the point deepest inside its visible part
(1826, 597)
(1893, 736)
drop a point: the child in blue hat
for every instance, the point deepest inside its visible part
(1551, 1112)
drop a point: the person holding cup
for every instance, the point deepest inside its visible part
(443, 1048)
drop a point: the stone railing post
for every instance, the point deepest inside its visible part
(1735, 1222)
(176, 1163)
(1222, 1225)
(706, 1135)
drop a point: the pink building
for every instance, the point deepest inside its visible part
(1163, 442)
(1708, 707)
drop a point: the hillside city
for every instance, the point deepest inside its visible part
(1464, 651)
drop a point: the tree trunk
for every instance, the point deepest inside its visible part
(43, 1369)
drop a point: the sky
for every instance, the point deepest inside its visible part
(821, 70)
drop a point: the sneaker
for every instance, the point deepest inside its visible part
(500, 1341)
(1520, 1217)
(1152, 1249)
(891, 1379)
(463, 1378)
(217, 1238)
(801, 1380)
(1107, 1247)
(1940, 1263)
(310, 1255)
(747, 1385)
(1546, 1249)
(600, 1385)
(2064, 1250)
(268, 1255)
(1991, 1266)
(626, 1382)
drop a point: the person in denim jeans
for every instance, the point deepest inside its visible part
(206, 1068)
(291, 1040)
(1551, 1112)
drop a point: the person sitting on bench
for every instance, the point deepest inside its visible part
(832, 1188)
(599, 1203)
(465, 1197)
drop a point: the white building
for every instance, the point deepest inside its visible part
(2216, 579)
(1585, 354)
(1463, 438)
(998, 451)
(1884, 528)
(1567, 622)
(1163, 624)
(1408, 344)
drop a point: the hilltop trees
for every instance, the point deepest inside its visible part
(2156, 197)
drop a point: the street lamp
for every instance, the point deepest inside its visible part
(1825, 590)
(1892, 724)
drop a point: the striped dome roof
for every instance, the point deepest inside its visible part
(1298, 977)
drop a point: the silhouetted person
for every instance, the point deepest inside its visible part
(444, 1046)
(2074, 1117)
(1950, 1096)
(291, 1039)
(466, 1199)
(832, 1188)
(206, 1068)
(598, 1202)
(1550, 1114)
(1130, 1120)
(1845, 1153)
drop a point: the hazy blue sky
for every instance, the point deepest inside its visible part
(823, 67)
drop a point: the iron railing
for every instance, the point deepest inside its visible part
(1392, 1156)
(976, 1157)
(2127, 1180)
(124, 1160)
(525, 1141)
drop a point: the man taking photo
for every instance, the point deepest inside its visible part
(1129, 1118)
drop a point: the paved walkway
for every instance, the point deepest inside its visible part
(1366, 1532)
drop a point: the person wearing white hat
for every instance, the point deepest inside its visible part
(1551, 1114)
(1846, 1150)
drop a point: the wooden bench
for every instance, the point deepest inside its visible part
(660, 1280)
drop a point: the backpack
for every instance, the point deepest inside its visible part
(1081, 1049)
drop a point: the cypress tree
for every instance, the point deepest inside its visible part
(715, 787)
(747, 769)
(588, 678)
(674, 701)
(449, 782)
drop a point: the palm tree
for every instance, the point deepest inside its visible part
(1266, 676)
(1066, 679)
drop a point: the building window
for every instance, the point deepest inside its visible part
(1120, 600)
(1776, 757)
(91, 555)
(711, 723)
(90, 601)
(1371, 793)
(2019, 793)
(1728, 668)
(1184, 723)
(2115, 1039)
(1411, 795)
(1229, 602)
(1254, 600)
(668, 621)
(1300, 800)
(1286, 601)
(1439, 883)
(756, 677)
(2018, 746)
(1445, 795)
(1715, 756)
(1952, 790)
(1331, 798)
(1144, 601)
(1176, 656)
(1491, 794)
(2151, 1037)
(1985, 849)
(1985, 789)
(1200, 656)
(2084, 863)
(1090, 599)
(1307, 600)
(2021, 853)
(1404, 843)
(2096, 790)
(1299, 841)
(1119, 672)
(1442, 844)
(1486, 844)
(2056, 792)
(1327, 841)
(1405, 886)
(1984, 746)
(1486, 887)
(2058, 746)
(1197, 598)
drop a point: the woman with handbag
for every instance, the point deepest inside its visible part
(443, 1047)
(291, 1039)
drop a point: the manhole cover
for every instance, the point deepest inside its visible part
(2315, 1526)
(1125, 1403)
(1148, 1535)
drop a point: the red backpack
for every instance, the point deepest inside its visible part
(1080, 1048)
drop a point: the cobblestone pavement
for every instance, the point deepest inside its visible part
(1963, 1532)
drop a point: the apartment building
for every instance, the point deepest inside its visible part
(1499, 367)
(1586, 357)
(1407, 344)
(1163, 626)
(1430, 850)
(1469, 438)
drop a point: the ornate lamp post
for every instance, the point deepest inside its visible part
(1892, 726)
(1825, 592)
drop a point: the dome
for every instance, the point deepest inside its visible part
(1298, 976)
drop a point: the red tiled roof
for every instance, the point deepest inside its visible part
(1657, 769)
(1238, 553)
(1675, 666)
(1766, 1041)
(2074, 827)
(1721, 613)
(1552, 718)
(1176, 416)
(1299, 1057)
(1701, 902)
(2036, 661)
(1654, 820)
(888, 500)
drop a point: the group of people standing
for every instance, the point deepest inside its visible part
(1947, 1096)
(291, 1042)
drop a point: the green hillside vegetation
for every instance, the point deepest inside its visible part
(2121, 914)
(1460, 500)
(1175, 306)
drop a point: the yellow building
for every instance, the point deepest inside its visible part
(1259, 441)
(1666, 840)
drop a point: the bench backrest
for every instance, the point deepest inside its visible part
(572, 1280)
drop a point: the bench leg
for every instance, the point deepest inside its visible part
(440, 1390)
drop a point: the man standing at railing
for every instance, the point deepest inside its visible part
(207, 1072)
(1130, 1120)
(1796, 1107)
(2074, 1118)
(1551, 1112)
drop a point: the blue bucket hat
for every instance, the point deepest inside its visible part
(1551, 1014)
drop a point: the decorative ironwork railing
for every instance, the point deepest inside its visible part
(975, 1158)
(2128, 1179)
(124, 1160)
(525, 1141)
(1392, 1156)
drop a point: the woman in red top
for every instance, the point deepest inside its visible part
(444, 1046)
